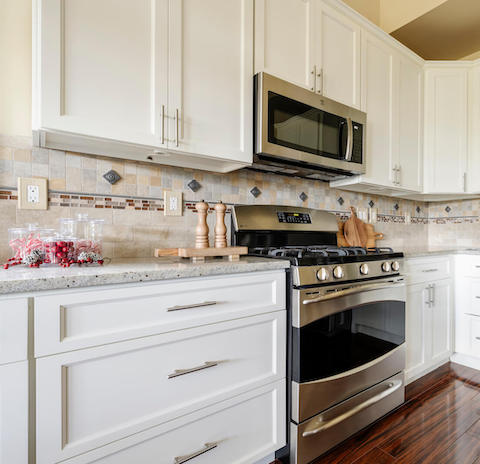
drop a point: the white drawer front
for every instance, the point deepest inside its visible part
(13, 329)
(73, 320)
(92, 397)
(474, 306)
(424, 270)
(241, 430)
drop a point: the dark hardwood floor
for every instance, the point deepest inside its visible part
(438, 424)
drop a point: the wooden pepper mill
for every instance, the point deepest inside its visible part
(220, 228)
(201, 231)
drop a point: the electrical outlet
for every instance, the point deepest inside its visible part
(32, 193)
(173, 203)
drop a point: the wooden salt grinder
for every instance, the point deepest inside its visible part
(201, 231)
(220, 228)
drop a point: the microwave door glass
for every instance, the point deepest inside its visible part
(302, 127)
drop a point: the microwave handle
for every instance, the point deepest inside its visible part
(349, 149)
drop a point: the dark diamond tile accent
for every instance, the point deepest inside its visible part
(418, 209)
(371, 203)
(194, 186)
(112, 176)
(396, 207)
(341, 200)
(448, 209)
(255, 192)
(303, 196)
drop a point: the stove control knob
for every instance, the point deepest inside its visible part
(396, 266)
(322, 274)
(338, 272)
(386, 267)
(364, 269)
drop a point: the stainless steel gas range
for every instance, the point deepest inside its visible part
(347, 325)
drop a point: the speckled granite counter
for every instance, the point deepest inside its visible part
(24, 280)
(427, 253)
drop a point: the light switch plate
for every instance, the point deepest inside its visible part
(32, 193)
(173, 203)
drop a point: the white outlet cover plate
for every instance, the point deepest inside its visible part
(32, 193)
(173, 203)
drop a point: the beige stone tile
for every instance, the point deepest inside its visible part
(89, 162)
(5, 153)
(73, 182)
(22, 155)
(57, 184)
(118, 233)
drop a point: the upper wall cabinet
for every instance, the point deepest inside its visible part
(473, 161)
(309, 43)
(392, 97)
(171, 77)
(446, 128)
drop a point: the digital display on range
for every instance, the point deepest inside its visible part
(294, 218)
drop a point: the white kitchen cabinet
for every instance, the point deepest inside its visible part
(429, 317)
(164, 81)
(283, 39)
(14, 413)
(321, 53)
(473, 162)
(337, 55)
(446, 128)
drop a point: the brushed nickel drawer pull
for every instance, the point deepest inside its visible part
(430, 270)
(478, 338)
(193, 305)
(205, 365)
(207, 447)
(477, 266)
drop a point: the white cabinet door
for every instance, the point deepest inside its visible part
(446, 114)
(378, 103)
(283, 38)
(416, 331)
(210, 104)
(473, 179)
(337, 46)
(104, 68)
(441, 320)
(14, 413)
(410, 123)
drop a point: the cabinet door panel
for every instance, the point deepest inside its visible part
(211, 78)
(283, 37)
(337, 45)
(441, 320)
(410, 123)
(445, 130)
(415, 329)
(103, 68)
(473, 179)
(378, 103)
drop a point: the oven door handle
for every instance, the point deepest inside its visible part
(353, 291)
(322, 426)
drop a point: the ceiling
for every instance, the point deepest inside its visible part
(450, 31)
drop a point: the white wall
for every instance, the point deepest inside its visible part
(15, 67)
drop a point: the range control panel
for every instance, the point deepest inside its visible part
(294, 218)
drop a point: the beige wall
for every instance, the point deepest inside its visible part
(15, 67)
(368, 8)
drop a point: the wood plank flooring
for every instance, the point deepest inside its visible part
(438, 424)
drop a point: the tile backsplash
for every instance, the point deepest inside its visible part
(133, 207)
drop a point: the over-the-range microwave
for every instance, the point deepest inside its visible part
(300, 133)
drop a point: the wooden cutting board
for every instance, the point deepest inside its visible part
(355, 230)
(372, 236)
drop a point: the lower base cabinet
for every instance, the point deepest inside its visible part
(14, 413)
(240, 430)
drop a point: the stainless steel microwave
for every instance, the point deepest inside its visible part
(300, 133)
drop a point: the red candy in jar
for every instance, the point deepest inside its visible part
(59, 250)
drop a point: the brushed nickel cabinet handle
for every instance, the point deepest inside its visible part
(205, 365)
(190, 306)
(430, 270)
(163, 123)
(176, 127)
(206, 447)
(319, 425)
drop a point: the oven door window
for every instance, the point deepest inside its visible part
(343, 341)
(302, 127)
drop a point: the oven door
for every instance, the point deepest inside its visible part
(345, 339)
(297, 125)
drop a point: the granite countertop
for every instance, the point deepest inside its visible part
(20, 279)
(458, 251)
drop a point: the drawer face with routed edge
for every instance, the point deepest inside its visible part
(240, 430)
(13, 329)
(423, 270)
(91, 397)
(475, 336)
(79, 319)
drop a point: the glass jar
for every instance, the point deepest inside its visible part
(68, 227)
(60, 250)
(17, 238)
(83, 224)
(34, 253)
(95, 235)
